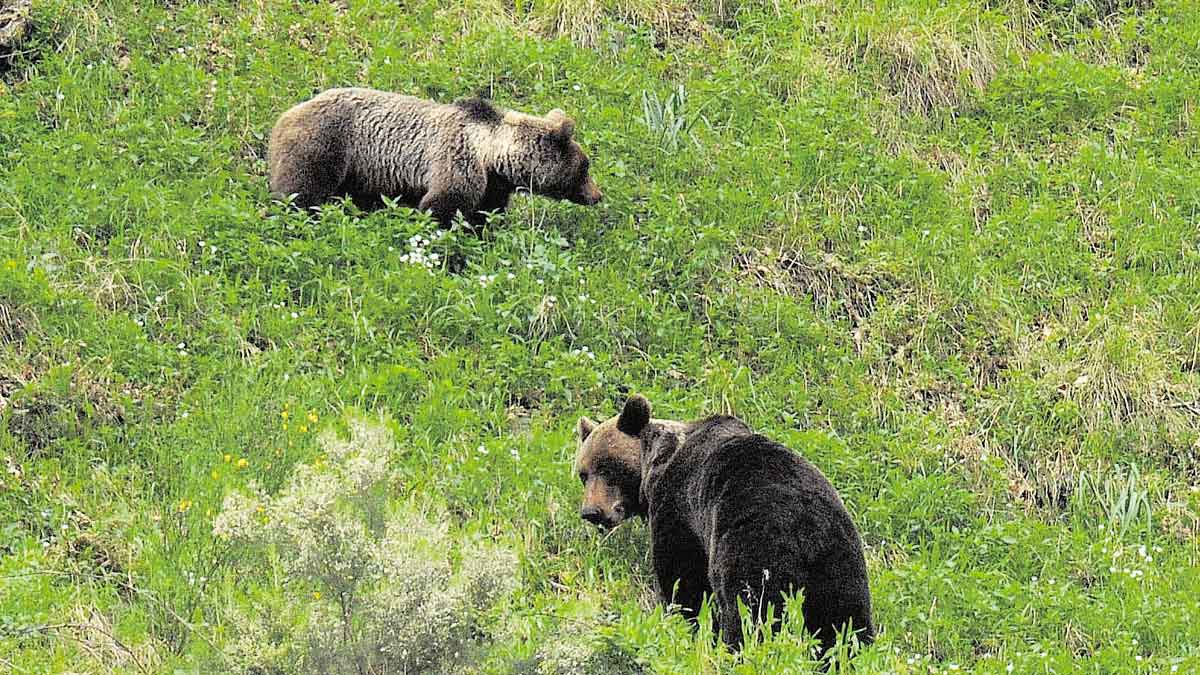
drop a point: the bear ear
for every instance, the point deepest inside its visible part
(585, 428)
(561, 126)
(635, 416)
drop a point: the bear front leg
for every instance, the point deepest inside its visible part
(680, 567)
(443, 206)
(495, 198)
(454, 188)
(728, 619)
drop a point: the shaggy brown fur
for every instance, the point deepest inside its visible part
(468, 156)
(733, 515)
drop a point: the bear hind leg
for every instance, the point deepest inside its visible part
(312, 178)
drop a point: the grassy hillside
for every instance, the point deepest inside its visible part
(948, 250)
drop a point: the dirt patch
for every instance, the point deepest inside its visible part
(57, 406)
(15, 29)
(849, 290)
(15, 323)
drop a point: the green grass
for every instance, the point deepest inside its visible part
(947, 250)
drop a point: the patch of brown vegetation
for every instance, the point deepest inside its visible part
(584, 22)
(103, 559)
(1178, 519)
(596, 24)
(93, 631)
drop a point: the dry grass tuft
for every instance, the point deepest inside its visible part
(15, 27)
(1122, 378)
(95, 633)
(1092, 29)
(584, 20)
(1098, 376)
(107, 284)
(599, 24)
(927, 62)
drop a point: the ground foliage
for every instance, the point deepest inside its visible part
(946, 249)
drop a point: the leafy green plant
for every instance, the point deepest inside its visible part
(667, 119)
(1124, 503)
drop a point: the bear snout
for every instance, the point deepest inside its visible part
(593, 515)
(589, 195)
(597, 515)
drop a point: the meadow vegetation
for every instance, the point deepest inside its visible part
(947, 249)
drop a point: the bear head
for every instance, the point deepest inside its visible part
(608, 464)
(555, 164)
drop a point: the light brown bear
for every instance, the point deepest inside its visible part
(468, 156)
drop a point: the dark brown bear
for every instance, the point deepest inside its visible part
(468, 156)
(732, 514)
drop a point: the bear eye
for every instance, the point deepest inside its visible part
(583, 477)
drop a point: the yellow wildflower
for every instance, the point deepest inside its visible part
(228, 458)
(216, 474)
(242, 463)
(303, 429)
(312, 416)
(316, 595)
(284, 414)
(184, 505)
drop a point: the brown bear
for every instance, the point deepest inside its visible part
(733, 515)
(468, 156)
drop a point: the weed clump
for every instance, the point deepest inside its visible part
(366, 587)
(578, 649)
(577, 657)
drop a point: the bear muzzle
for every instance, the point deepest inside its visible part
(590, 195)
(606, 520)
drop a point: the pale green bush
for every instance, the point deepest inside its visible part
(367, 586)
